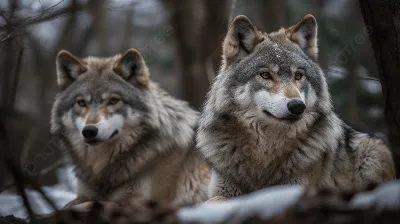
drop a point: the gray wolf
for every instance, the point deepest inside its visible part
(268, 119)
(127, 138)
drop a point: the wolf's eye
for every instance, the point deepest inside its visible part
(113, 101)
(81, 103)
(298, 75)
(266, 75)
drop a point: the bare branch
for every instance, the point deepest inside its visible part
(3, 14)
(44, 16)
(14, 84)
(360, 76)
(19, 183)
(51, 7)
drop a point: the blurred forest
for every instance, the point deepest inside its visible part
(181, 42)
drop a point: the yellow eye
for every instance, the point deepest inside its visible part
(113, 101)
(81, 103)
(298, 75)
(266, 75)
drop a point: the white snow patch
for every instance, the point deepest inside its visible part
(60, 194)
(267, 203)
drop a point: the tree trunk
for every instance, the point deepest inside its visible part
(352, 77)
(272, 14)
(199, 28)
(383, 19)
(127, 40)
(98, 11)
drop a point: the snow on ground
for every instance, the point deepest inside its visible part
(272, 201)
(60, 194)
(268, 202)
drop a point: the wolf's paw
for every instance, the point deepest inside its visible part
(105, 212)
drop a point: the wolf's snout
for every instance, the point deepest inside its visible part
(90, 132)
(296, 106)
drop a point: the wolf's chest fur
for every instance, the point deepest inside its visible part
(107, 169)
(254, 155)
(104, 168)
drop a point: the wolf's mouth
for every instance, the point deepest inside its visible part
(289, 118)
(268, 113)
(92, 141)
(96, 141)
(114, 133)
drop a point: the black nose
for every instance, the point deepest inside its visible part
(296, 107)
(89, 132)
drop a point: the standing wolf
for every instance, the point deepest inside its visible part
(268, 119)
(127, 138)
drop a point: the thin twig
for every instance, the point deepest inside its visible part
(8, 36)
(15, 80)
(19, 176)
(26, 148)
(3, 14)
(52, 167)
(43, 17)
(51, 7)
(43, 172)
(7, 187)
(19, 183)
(368, 78)
(360, 76)
(41, 5)
(46, 198)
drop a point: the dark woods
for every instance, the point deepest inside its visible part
(181, 40)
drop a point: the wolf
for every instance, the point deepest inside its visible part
(126, 137)
(268, 119)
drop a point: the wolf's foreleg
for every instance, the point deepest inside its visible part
(220, 188)
(216, 199)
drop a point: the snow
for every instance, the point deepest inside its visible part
(385, 196)
(266, 203)
(60, 194)
(270, 202)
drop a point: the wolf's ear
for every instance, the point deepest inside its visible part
(304, 34)
(69, 67)
(132, 67)
(241, 39)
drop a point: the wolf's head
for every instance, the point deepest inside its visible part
(100, 96)
(276, 74)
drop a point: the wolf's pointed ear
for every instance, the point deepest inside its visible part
(69, 67)
(304, 34)
(132, 67)
(241, 39)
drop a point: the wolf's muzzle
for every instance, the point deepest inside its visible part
(296, 106)
(90, 132)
